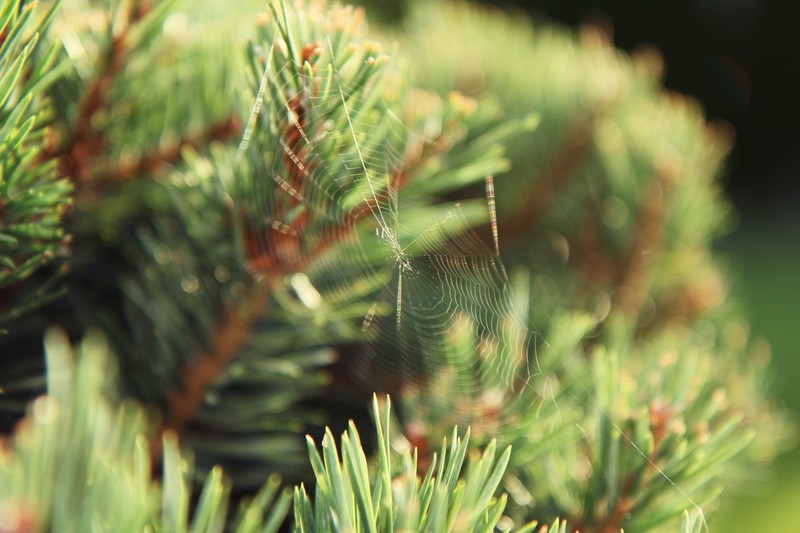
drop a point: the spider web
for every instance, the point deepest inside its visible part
(399, 266)
(364, 254)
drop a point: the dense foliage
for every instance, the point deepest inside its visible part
(269, 217)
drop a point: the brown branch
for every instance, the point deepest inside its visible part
(283, 256)
(633, 278)
(75, 158)
(660, 417)
(532, 206)
(591, 259)
(623, 508)
(613, 522)
(227, 339)
(157, 161)
(233, 333)
(694, 298)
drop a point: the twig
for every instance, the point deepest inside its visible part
(590, 257)
(552, 181)
(633, 277)
(234, 331)
(623, 508)
(76, 157)
(660, 417)
(157, 161)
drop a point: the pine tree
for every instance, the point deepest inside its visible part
(222, 233)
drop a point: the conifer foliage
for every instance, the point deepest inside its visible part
(220, 236)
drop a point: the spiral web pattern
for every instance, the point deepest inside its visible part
(337, 147)
(346, 213)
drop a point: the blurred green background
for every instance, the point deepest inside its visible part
(764, 254)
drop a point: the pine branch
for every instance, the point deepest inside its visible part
(242, 270)
(79, 459)
(350, 497)
(77, 157)
(104, 146)
(201, 372)
(32, 199)
(159, 161)
(627, 501)
(633, 278)
(522, 219)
